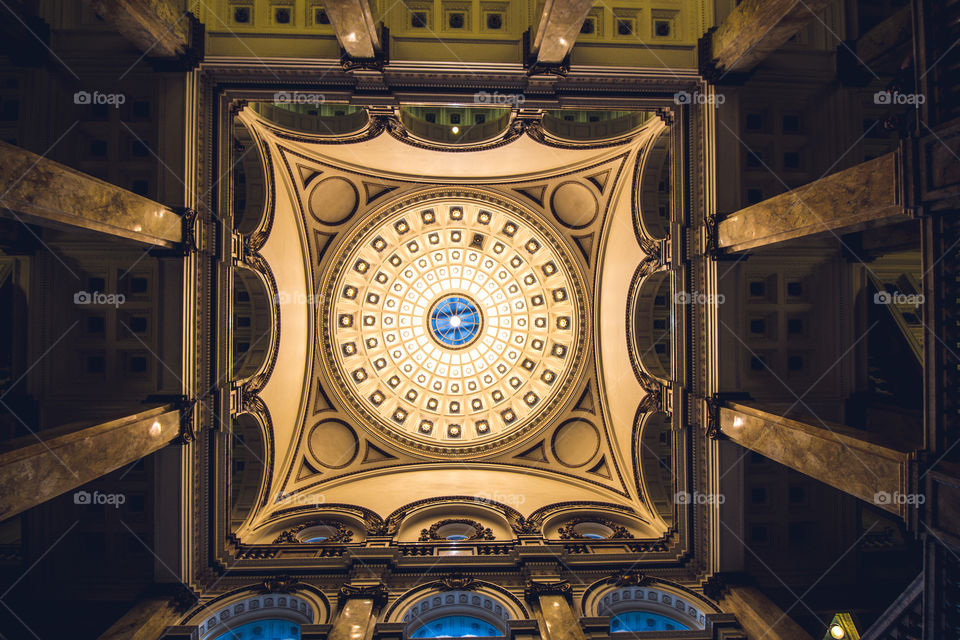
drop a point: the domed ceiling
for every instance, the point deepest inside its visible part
(449, 323)
(454, 323)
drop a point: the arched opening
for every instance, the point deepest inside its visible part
(266, 629)
(249, 181)
(653, 201)
(455, 125)
(654, 608)
(577, 125)
(312, 117)
(652, 329)
(656, 463)
(457, 614)
(248, 455)
(252, 615)
(251, 323)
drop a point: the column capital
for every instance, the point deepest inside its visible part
(537, 588)
(376, 592)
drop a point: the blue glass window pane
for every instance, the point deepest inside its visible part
(457, 627)
(644, 621)
(263, 630)
(455, 321)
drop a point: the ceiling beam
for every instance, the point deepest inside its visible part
(836, 455)
(37, 190)
(558, 30)
(44, 465)
(753, 30)
(862, 196)
(156, 27)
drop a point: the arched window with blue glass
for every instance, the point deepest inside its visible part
(457, 627)
(457, 614)
(260, 616)
(637, 621)
(652, 607)
(267, 629)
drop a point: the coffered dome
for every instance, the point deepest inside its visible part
(455, 322)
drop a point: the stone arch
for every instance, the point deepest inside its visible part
(255, 319)
(651, 325)
(456, 595)
(297, 603)
(652, 203)
(655, 446)
(636, 592)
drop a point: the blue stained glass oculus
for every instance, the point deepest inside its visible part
(455, 321)
(270, 629)
(457, 627)
(644, 621)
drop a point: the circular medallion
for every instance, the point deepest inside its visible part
(454, 324)
(455, 321)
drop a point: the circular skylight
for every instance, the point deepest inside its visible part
(454, 323)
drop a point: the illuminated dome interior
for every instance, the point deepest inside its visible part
(454, 321)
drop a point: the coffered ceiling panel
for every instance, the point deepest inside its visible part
(440, 322)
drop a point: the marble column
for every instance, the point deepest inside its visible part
(865, 195)
(760, 617)
(149, 619)
(358, 606)
(157, 27)
(314, 631)
(356, 31)
(36, 468)
(558, 29)
(753, 30)
(554, 611)
(842, 457)
(38, 190)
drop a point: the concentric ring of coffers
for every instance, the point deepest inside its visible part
(490, 267)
